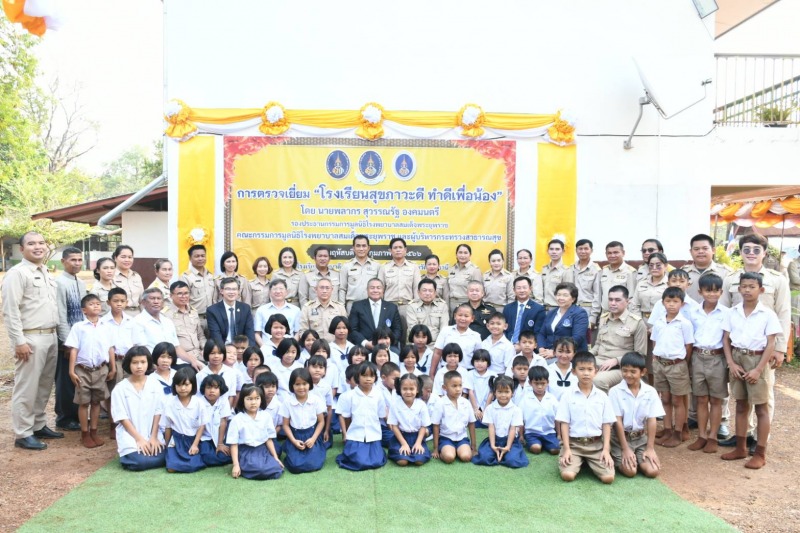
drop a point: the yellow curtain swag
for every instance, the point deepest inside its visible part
(371, 122)
(198, 235)
(273, 119)
(471, 119)
(561, 132)
(177, 116)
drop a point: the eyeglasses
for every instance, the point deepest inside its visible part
(754, 250)
(649, 250)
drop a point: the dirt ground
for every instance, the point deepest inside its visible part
(752, 501)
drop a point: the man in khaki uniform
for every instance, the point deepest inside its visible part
(308, 281)
(31, 316)
(776, 296)
(585, 273)
(618, 333)
(202, 289)
(354, 275)
(400, 278)
(428, 310)
(554, 273)
(317, 314)
(701, 248)
(187, 322)
(616, 272)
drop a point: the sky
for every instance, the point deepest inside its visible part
(113, 51)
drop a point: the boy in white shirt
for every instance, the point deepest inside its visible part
(539, 414)
(673, 336)
(497, 344)
(636, 406)
(452, 418)
(91, 365)
(586, 416)
(749, 340)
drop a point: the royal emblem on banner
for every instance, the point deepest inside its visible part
(337, 164)
(370, 168)
(404, 165)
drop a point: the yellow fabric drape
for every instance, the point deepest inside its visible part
(556, 200)
(196, 181)
(792, 205)
(760, 209)
(729, 213)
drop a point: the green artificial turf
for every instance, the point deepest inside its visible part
(434, 497)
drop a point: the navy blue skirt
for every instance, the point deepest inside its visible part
(411, 438)
(308, 460)
(359, 456)
(137, 462)
(210, 455)
(514, 458)
(255, 462)
(178, 458)
(386, 436)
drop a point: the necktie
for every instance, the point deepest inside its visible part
(376, 313)
(231, 325)
(518, 323)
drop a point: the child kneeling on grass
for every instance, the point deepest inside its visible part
(360, 411)
(539, 408)
(409, 420)
(504, 420)
(452, 417)
(586, 417)
(636, 406)
(250, 436)
(136, 407)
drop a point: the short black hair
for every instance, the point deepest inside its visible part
(527, 334)
(408, 377)
(673, 292)
(284, 346)
(752, 276)
(377, 348)
(210, 345)
(280, 319)
(538, 373)
(360, 237)
(321, 248)
(300, 373)
(571, 287)
(621, 289)
(426, 281)
(383, 333)
(88, 298)
(520, 360)
(526, 279)
(388, 368)
(556, 241)
(364, 369)
(702, 237)
(584, 357)
(615, 244)
(418, 329)
(409, 349)
(213, 379)
(70, 250)
(398, 239)
(193, 248)
(283, 251)
(451, 375)
(335, 321)
(137, 351)
(481, 355)
(453, 348)
(117, 291)
(267, 378)
(709, 281)
(634, 359)
(183, 375)
(165, 348)
(178, 285)
(357, 350)
(502, 381)
(250, 352)
(320, 344)
(247, 390)
(678, 273)
(316, 360)
(581, 242)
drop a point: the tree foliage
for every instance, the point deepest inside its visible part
(133, 169)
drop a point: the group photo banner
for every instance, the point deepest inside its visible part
(305, 193)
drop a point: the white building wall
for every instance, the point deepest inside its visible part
(144, 232)
(771, 31)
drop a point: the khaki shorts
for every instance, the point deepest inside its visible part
(709, 375)
(590, 453)
(756, 393)
(672, 378)
(638, 445)
(93, 388)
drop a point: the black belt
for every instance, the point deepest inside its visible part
(91, 368)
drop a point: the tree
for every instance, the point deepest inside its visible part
(133, 169)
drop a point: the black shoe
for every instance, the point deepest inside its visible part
(692, 423)
(730, 442)
(47, 433)
(30, 443)
(751, 445)
(72, 425)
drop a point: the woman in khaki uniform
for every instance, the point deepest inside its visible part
(259, 286)
(229, 268)
(127, 279)
(104, 274)
(163, 277)
(498, 283)
(289, 274)
(432, 272)
(649, 290)
(463, 272)
(524, 260)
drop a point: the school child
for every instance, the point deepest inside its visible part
(504, 419)
(164, 356)
(384, 335)
(452, 357)
(636, 406)
(340, 347)
(360, 410)
(560, 373)
(250, 437)
(460, 333)
(519, 372)
(479, 376)
(251, 358)
(260, 369)
(709, 367)
(269, 384)
(452, 417)
(381, 354)
(409, 420)
(136, 408)
(586, 416)
(303, 422)
(389, 373)
(539, 408)
(232, 362)
(242, 343)
(307, 340)
(749, 341)
(429, 398)
(409, 358)
(322, 388)
(420, 336)
(286, 359)
(276, 328)
(213, 450)
(675, 278)
(527, 345)
(672, 338)
(214, 355)
(321, 347)
(121, 333)
(356, 356)
(500, 348)
(185, 418)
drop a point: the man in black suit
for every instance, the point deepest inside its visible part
(532, 317)
(364, 312)
(220, 327)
